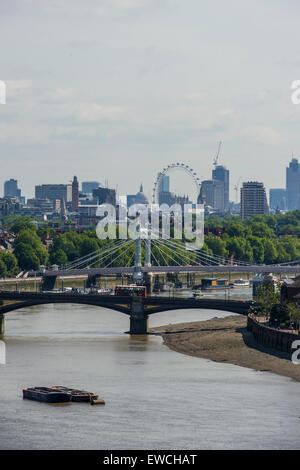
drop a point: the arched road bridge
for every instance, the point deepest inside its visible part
(137, 308)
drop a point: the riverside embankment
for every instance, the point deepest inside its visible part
(227, 340)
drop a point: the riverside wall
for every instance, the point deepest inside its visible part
(270, 337)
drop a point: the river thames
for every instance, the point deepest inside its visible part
(155, 398)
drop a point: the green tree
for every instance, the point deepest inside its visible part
(293, 310)
(217, 246)
(240, 249)
(45, 232)
(69, 243)
(257, 248)
(23, 223)
(59, 257)
(271, 254)
(10, 262)
(88, 245)
(3, 269)
(237, 230)
(267, 297)
(29, 244)
(260, 229)
(26, 256)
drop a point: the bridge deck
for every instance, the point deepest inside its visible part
(178, 269)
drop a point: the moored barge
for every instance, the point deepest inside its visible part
(46, 394)
(77, 395)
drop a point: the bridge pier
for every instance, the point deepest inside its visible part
(1, 324)
(138, 319)
(139, 325)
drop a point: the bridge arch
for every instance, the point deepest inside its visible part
(31, 303)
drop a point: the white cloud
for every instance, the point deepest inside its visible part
(60, 94)
(23, 133)
(101, 7)
(262, 134)
(90, 112)
(18, 88)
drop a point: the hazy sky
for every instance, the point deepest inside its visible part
(117, 89)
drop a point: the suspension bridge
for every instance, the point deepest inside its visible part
(159, 256)
(141, 259)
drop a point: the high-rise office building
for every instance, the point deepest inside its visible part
(164, 184)
(164, 194)
(89, 186)
(293, 185)
(11, 189)
(75, 194)
(212, 194)
(253, 199)
(278, 199)
(221, 173)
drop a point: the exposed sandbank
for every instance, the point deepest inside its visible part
(227, 340)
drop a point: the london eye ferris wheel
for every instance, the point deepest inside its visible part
(168, 170)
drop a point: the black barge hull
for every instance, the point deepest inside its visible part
(46, 396)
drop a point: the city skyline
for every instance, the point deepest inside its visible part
(217, 173)
(104, 94)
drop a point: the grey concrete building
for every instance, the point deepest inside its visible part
(253, 199)
(293, 185)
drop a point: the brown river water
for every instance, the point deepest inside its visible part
(155, 398)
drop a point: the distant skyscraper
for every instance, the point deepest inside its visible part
(212, 194)
(89, 186)
(164, 184)
(75, 194)
(253, 199)
(293, 185)
(278, 199)
(220, 173)
(11, 189)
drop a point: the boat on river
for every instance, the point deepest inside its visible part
(76, 395)
(241, 283)
(46, 394)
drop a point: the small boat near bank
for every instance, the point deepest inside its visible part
(46, 395)
(241, 283)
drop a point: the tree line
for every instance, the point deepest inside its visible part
(261, 240)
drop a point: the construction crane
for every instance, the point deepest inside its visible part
(236, 188)
(216, 159)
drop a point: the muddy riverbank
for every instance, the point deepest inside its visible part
(227, 340)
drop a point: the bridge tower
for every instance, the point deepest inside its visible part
(147, 252)
(148, 277)
(137, 273)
